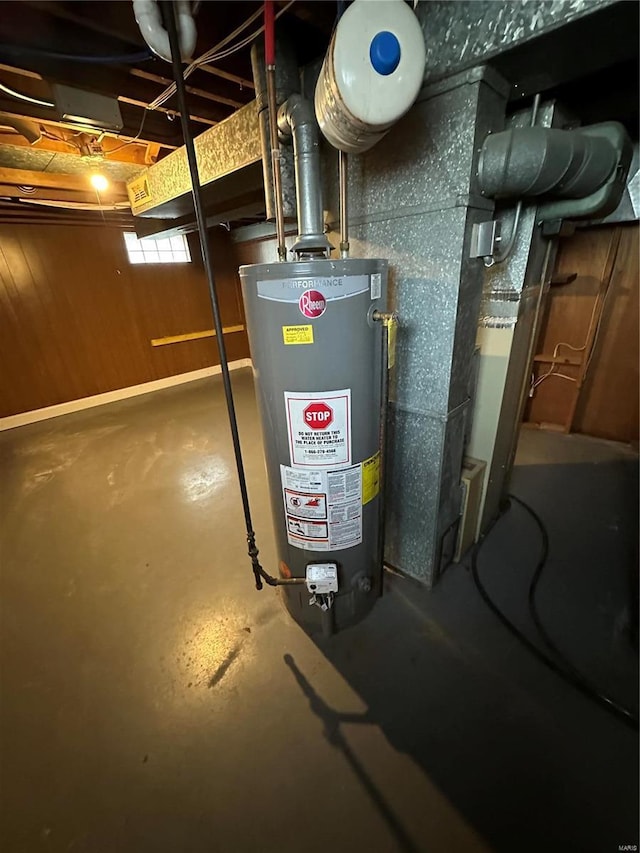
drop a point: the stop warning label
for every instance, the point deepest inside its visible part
(319, 427)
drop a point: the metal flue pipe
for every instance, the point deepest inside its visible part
(296, 118)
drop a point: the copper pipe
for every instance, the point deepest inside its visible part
(344, 216)
(275, 160)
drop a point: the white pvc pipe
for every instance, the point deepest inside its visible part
(149, 20)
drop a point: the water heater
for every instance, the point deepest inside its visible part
(317, 352)
(320, 337)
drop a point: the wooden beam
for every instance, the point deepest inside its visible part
(137, 93)
(56, 180)
(200, 93)
(133, 153)
(20, 71)
(318, 16)
(107, 27)
(13, 138)
(41, 115)
(605, 282)
(225, 75)
(545, 358)
(108, 24)
(151, 153)
(194, 336)
(49, 194)
(125, 100)
(23, 214)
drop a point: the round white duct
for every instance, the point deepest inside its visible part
(149, 20)
(371, 74)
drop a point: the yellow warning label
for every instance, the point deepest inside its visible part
(138, 190)
(297, 335)
(370, 478)
(391, 341)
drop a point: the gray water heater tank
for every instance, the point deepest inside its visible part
(317, 359)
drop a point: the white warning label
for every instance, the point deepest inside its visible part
(319, 427)
(309, 532)
(323, 509)
(344, 485)
(305, 505)
(376, 285)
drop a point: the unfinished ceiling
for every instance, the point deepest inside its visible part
(97, 47)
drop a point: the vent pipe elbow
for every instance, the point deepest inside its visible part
(149, 20)
(296, 119)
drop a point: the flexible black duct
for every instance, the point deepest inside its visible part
(536, 161)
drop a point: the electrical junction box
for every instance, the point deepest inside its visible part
(322, 578)
(87, 108)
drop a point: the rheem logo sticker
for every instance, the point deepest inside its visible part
(318, 415)
(312, 304)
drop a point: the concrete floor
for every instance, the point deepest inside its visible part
(153, 701)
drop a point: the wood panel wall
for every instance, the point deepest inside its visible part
(601, 305)
(77, 319)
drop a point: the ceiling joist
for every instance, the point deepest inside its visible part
(56, 180)
(201, 93)
(98, 47)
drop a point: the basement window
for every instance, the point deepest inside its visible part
(157, 250)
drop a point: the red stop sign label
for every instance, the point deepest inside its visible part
(318, 415)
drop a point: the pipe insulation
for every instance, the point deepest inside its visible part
(536, 161)
(296, 119)
(371, 74)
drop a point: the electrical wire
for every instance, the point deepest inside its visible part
(561, 667)
(243, 26)
(597, 331)
(48, 135)
(552, 371)
(535, 615)
(22, 97)
(126, 58)
(134, 139)
(204, 58)
(216, 53)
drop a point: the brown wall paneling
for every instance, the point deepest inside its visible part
(567, 317)
(76, 318)
(609, 401)
(595, 408)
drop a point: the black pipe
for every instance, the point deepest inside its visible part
(170, 23)
(561, 666)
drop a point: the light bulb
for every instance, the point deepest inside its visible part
(99, 182)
